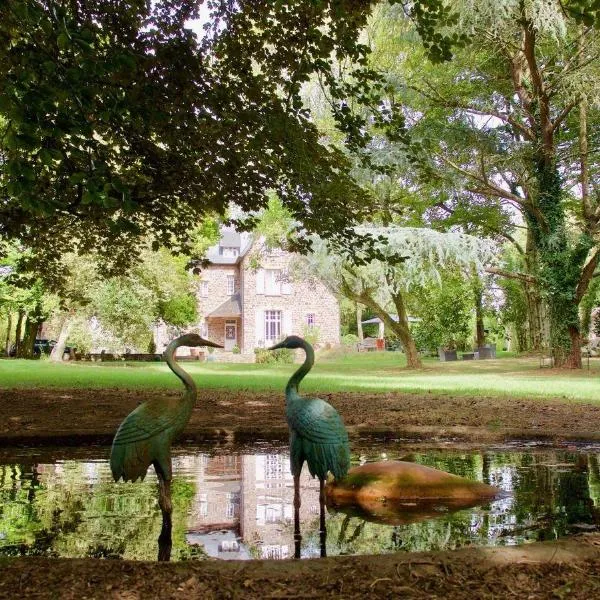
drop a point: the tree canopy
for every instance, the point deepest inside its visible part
(119, 122)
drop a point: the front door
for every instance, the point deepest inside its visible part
(230, 335)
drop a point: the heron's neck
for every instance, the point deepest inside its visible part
(188, 382)
(291, 390)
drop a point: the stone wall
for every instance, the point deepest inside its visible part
(216, 276)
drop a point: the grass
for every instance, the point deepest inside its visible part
(366, 372)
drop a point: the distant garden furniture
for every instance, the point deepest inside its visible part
(487, 351)
(447, 355)
(468, 355)
(369, 344)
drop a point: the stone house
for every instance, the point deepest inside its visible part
(248, 299)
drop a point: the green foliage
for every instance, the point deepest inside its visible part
(179, 310)
(128, 306)
(445, 311)
(275, 223)
(272, 357)
(311, 333)
(104, 144)
(124, 308)
(80, 335)
(350, 340)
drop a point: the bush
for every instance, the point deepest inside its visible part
(311, 334)
(270, 357)
(236, 350)
(350, 339)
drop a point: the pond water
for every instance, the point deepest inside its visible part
(232, 503)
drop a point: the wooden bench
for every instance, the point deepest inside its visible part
(369, 344)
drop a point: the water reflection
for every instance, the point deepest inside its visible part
(241, 506)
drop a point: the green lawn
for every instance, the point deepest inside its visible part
(373, 372)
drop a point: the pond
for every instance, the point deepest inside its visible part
(238, 503)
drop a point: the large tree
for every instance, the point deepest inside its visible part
(409, 257)
(508, 121)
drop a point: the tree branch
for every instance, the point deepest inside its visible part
(511, 275)
(586, 275)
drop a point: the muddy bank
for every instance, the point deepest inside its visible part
(78, 417)
(567, 568)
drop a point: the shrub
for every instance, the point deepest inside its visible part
(311, 334)
(236, 350)
(350, 339)
(269, 357)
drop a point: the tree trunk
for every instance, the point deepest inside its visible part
(534, 337)
(478, 298)
(8, 328)
(359, 327)
(402, 328)
(587, 305)
(31, 329)
(18, 332)
(533, 297)
(561, 268)
(57, 352)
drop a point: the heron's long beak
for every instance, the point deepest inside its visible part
(213, 344)
(276, 346)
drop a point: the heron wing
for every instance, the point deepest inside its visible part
(322, 439)
(146, 421)
(317, 421)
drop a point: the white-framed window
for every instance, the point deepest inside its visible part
(272, 325)
(230, 284)
(203, 505)
(311, 319)
(204, 289)
(228, 251)
(273, 282)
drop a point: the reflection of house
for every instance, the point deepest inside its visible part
(248, 500)
(248, 299)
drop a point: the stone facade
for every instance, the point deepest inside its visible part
(270, 304)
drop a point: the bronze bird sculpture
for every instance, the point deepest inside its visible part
(317, 436)
(144, 438)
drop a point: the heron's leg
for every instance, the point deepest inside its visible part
(322, 528)
(297, 536)
(166, 507)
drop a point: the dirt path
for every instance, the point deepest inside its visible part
(74, 417)
(565, 569)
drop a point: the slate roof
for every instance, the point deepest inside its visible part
(232, 307)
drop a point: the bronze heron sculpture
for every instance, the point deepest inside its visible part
(144, 438)
(317, 436)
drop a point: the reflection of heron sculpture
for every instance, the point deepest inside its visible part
(317, 436)
(144, 438)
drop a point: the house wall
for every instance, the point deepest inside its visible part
(216, 276)
(304, 297)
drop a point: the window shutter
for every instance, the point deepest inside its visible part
(260, 281)
(287, 322)
(286, 284)
(259, 331)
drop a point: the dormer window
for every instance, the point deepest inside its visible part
(229, 251)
